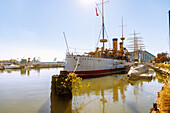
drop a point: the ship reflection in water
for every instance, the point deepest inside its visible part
(29, 91)
(109, 94)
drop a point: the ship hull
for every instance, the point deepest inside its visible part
(91, 67)
(98, 73)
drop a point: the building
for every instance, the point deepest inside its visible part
(144, 56)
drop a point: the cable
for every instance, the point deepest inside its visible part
(107, 38)
(98, 38)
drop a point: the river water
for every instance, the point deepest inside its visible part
(29, 91)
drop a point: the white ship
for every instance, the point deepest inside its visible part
(100, 62)
(137, 70)
(12, 66)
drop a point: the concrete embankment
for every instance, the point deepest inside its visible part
(31, 65)
(163, 71)
(162, 104)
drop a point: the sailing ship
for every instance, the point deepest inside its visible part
(138, 69)
(100, 62)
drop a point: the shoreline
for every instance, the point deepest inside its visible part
(163, 102)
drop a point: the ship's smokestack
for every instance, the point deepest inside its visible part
(121, 46)
(115, 44)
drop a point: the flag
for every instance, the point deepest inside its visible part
(97, 13)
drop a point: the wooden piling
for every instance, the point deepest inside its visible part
(53, 83)
(63, 73)
(60, 85)
(60, 104)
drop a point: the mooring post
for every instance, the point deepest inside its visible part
(54, 77)
(63, 73)
(62, 85)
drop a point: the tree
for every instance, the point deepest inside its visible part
(161, 58)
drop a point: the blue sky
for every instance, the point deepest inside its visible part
(31, 28)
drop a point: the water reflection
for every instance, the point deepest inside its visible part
(59, 104)
(160, 77)
(103, 88)
(1, 71)
(107, 94)
(32, 93)
(139, 82)
(22, 71)
(99, 87)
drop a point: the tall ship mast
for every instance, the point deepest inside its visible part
(100, 62)
(136, 45)
(103, 40)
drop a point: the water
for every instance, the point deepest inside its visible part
(23, 91)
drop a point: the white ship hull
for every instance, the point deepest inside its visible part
(135, 72)
(88, 67)
(12, 66)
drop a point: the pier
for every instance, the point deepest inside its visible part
(31, 65)
(163, 71)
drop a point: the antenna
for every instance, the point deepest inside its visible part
(122, 30)
(66, 42)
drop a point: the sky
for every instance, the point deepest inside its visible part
(34, 28)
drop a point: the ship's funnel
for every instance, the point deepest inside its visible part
(121, 46)
(115, 44)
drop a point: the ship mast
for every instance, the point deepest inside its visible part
(103, 40)
(122, 38)
(136, 46)
(103, 22)
(136, 43)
